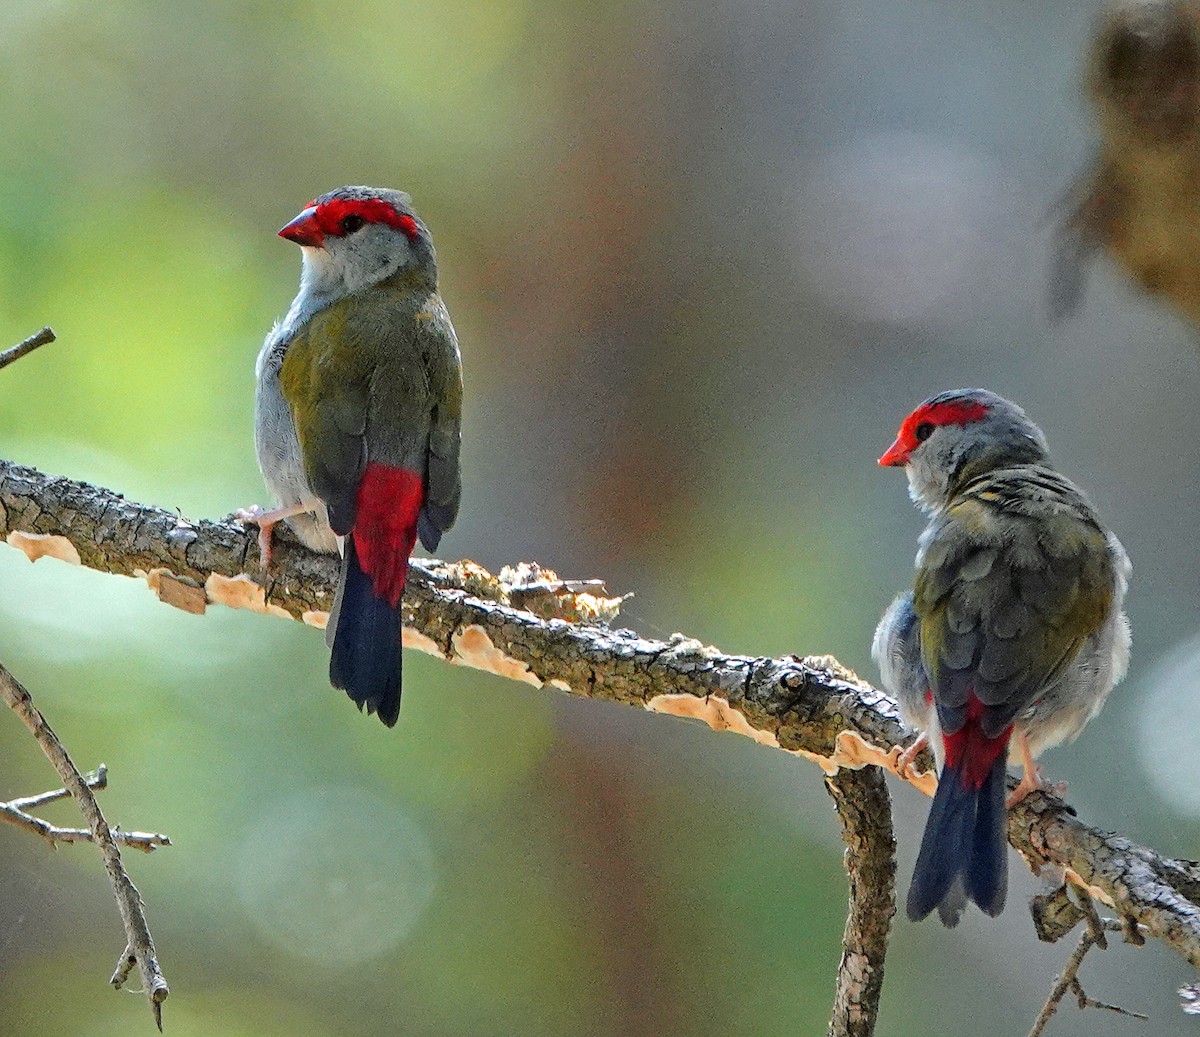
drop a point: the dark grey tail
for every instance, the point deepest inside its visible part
(365, 659)
(963, 851)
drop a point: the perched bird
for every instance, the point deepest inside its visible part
(1014, 630)
(357, 419)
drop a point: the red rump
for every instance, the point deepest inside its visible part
(385, 526)
(370, 210)
(970, 750)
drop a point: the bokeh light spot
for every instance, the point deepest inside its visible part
(1170, 750)
(892, 226)
(335, 875)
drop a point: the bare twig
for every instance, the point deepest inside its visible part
(1092, 936)
(865, 810)
(813, 708)
(145, 841)
(16, 812)
(129, 903)
(125, 965)
(97, 781)
(14, 353)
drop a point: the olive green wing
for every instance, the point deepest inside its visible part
(1005, 599)
(328, 392)
(443, 480)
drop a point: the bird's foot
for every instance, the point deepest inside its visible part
(250, 514)
(265, 520)
(1032, 781)
(905, 760)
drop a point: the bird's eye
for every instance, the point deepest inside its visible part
(923, 431)
(351, 223)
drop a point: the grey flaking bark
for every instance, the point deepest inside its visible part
(813, 707)
(865, 811)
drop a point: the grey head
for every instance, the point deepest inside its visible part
(355, 237)
(958, 435)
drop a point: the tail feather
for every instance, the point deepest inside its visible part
(962, 852)
(365, 659)
(987, 866)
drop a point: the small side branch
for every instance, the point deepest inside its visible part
(14, 353)
(865, 811)
(140, 943)
(97, 781)
(147, 842)
(1069, 980)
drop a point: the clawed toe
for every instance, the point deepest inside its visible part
(905, 761)
(254, 515)
(250, 514)
(265, 530)
(1031, 781)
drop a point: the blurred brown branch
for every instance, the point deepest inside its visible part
(811, 707)
(865, 811)
(140, 945)
(96, 780)
(1139, 202)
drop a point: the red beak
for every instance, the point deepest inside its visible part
(304, 229)
(897, 455)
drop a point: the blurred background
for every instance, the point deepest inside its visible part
(702, 259)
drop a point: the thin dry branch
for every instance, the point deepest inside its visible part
(147, 842)
(1093, 936)
(812, 707)
(14, 353)
(96, 780)
(140, 943)
(16, 812)
(865, 811)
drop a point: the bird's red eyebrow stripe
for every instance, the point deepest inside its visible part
(939, 414)
(949, 413)
(371, 210)
(954, 413)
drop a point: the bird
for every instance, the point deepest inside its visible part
(358, 412)
(1013, 635)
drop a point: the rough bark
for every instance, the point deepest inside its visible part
(812, 707)
(865, 811)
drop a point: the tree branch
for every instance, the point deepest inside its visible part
(15, 812)
(1093, 936)
(14, 353)
(140, 947)
(96, 780)
(813, 707)
(865, 810)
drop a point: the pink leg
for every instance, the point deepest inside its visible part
(906, 758)
(266, 522)
(1031, 780)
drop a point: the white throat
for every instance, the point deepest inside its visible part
(324, 280)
